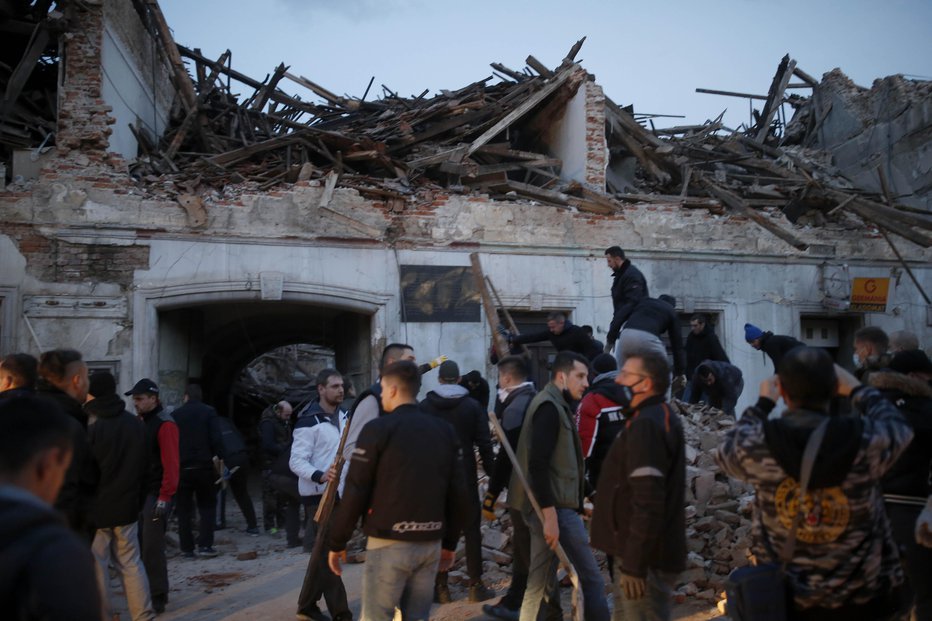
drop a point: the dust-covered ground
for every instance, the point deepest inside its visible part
(266, 587)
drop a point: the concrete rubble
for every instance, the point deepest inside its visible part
(718, 512)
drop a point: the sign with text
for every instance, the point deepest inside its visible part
(869, 294)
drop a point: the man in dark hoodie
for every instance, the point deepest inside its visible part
(47, 572)
(63, 381)
(906, 487)
(719, 384)
(452, 403)
(628, 288)
(701, 344)
(644, 329)
(18, 375)
(845, 564)
(117, 441)
(274, 439)
(774, 345)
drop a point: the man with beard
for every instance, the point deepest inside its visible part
(628, 288)
(550, 454)
(161, 483)
(63, 381)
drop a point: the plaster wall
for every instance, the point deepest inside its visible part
(568, 137)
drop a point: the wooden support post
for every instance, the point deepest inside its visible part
(501, 345)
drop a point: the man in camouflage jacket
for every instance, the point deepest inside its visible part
(845, 561)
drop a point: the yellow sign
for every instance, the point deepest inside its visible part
(869, 294)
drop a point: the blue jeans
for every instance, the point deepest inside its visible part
(120, 546)
(399, 575)
(542, 567)
(656, 605)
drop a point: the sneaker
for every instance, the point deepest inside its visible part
(442, 594)
(253, 530)
(478, 592)
(498, 611)
(272, 531)
(208, 552)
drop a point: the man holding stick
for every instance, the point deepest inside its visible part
(549, 452)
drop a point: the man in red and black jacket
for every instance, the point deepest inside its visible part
(161, 485)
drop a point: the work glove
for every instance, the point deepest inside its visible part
(679, 383)
(488, 505)
(160, 510)
(924, 526)
(433, 364)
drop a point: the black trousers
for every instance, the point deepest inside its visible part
(916, 559)
(239, 486)
(318, 579)
(152, 548)
(196, 484)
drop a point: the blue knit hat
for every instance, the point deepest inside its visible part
(752, 332)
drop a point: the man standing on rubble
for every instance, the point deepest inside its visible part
(701, 344)
(406, 481)
(628, 288)
(845, 563)
(452, 403)
(639, 519)
(647, 323)
(550, 455)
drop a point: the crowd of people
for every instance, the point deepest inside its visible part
(593, 460)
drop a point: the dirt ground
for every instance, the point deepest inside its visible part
(266, 588)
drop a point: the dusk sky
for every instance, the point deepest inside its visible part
(650, 54)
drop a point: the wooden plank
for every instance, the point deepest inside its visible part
(529, 104)
(710, 91)
(571, 55)
(775, 96)
(741, 207)
(501, 345)
(181, 80)
(539, 67)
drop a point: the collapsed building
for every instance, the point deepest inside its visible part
(175, 219)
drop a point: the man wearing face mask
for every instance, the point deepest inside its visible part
(639, 519)
(870, 351)
(549, 452)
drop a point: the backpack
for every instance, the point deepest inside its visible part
(232, 449)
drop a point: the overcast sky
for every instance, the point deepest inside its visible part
(650, 53)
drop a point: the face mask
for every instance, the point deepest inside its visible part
(623, 395)
(857, 360)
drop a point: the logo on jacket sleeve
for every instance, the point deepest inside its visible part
(417, 527)
(826, 511)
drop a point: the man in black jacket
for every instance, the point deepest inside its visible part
(18, 375)
(47, 572)
(197, 444)
(563, 335)
(117, 442)
(720, 384)
(406, 481)
(628, 288)
(274, 439)
(515, 392)
(701, 344)
(774, 345)
(647, 323)
(452, 403)
(63, 381)
(639, 518)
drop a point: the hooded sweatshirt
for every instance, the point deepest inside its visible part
(845, 554)
(47, 572)
(453, 404)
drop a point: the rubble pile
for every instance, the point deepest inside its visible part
(718, 511)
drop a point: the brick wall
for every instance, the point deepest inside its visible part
(83, 118)
(596, 143)
(53, 260)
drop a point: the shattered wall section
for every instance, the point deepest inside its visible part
(887, 127)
